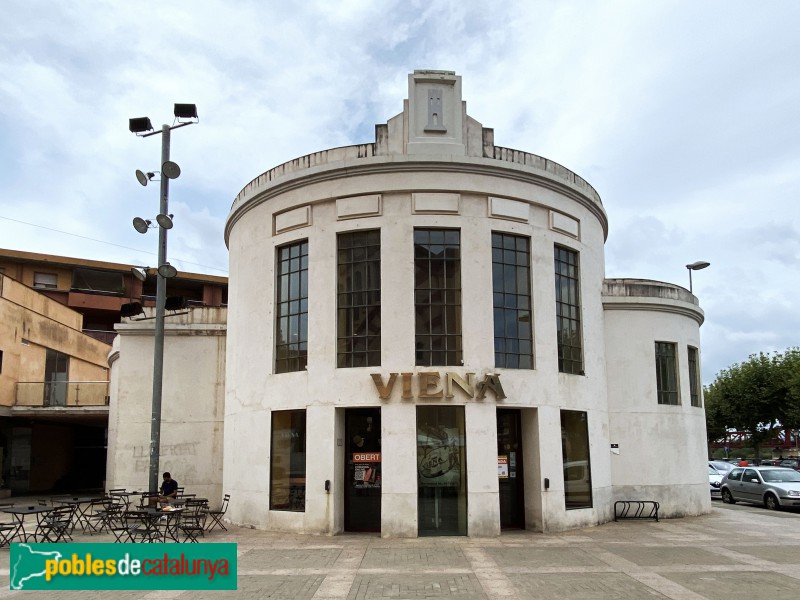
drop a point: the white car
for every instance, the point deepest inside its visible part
(714, 481)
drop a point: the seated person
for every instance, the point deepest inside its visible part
(169, 488)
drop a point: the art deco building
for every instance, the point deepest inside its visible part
(421, 341)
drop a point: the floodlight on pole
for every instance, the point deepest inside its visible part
(164, 221)
(696, 266)
(140, 272)
(169, 170)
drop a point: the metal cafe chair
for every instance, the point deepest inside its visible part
(148, 499)
(216, 515)
(103, 514)
(137, 527)
(122, 524)
(120, 495)
(7, 528)
(56, 524)
(193, 521)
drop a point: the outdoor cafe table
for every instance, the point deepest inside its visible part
(19, 513)
(81, 504)
(150, 518)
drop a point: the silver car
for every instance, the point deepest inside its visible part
(714, 482)
(774, 487)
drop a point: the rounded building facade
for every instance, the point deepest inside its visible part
(419, 343)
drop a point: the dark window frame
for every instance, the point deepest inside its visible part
(358, 299)
(511, 301)
(693, 358)
(667, 380)
(289, 485)
(569, 324)
(437, 297)
(291, 306)
(576, 460)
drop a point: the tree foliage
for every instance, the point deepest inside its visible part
(755, 396)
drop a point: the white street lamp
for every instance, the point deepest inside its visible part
(696, 266)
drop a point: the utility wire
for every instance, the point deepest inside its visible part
(188, 262)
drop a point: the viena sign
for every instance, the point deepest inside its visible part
(431, 385)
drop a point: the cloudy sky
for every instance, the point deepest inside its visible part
(684, 115)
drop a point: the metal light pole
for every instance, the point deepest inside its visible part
(169, 170)
(696, 266)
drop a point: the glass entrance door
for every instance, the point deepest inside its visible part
(509, 469)
(362, 496)
(441, 470)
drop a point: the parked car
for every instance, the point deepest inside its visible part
(715, 480)
(791, 463)
(721, 465)
(774, 487)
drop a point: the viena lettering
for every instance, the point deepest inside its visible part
(430, 385)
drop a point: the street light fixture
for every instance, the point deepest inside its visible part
(142, 127)
(696, 266)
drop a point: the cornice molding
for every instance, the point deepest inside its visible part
(682, 309)
(346, 169)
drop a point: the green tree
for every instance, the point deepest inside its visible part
(756, 396)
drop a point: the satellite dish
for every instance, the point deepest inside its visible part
(141, 225)
(164, 221)
(141, 177)
(167, 271)
(140, 274)
(170, 170)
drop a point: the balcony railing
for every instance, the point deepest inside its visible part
(62, 393)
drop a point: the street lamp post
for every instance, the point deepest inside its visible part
(169, 170)
(696, 266)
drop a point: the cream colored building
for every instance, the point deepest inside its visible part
(421, 341)
(53, 394)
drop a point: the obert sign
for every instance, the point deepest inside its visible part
(430, 385)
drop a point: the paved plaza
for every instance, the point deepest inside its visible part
(732, 553)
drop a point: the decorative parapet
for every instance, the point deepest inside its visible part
(545, 164)
(361, 151)
(646, 294)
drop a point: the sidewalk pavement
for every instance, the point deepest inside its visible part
(732, 553)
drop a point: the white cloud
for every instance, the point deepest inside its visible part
(681, 114)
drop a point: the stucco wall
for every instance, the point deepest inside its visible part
(192, 403)
(29, 324)
(662, 450)
(253, 391)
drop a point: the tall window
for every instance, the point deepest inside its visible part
(577, 466)
(667, 373)
(359, 299)
(287, 473)
(291, 314)
(511, 284)
(694, 376)
(568, 312)
(437, 297)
